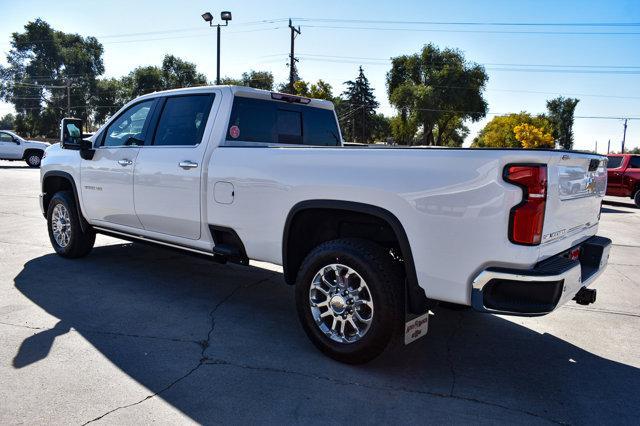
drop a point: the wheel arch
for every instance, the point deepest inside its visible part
(28, 151)
(54, 181)
(292, 256)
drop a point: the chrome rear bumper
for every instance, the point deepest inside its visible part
(542, 289)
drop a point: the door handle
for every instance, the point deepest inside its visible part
(125, 162)
(188, 164)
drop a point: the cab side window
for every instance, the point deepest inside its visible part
(130, 127)
(183, 120)
(5, 137)
(634, 162)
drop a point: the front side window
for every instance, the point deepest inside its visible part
(183, 120)
(129, 128)
(634, 162)
(614, 162)
(5, 137)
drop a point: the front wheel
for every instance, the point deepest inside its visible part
(66, 235)
(349, 299)
(33, 159)
(636, 198)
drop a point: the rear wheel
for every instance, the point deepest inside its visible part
(349, 299)
(66, 235)
(636, 198)
(33, 159)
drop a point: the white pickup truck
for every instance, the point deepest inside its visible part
(371, 237)
(13, 147)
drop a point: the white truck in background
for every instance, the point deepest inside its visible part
(371, 237)
(13, 148)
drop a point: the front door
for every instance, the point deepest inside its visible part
(10, 148)
(168, 171)
(107, 179)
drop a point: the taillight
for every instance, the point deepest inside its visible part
(527, 218)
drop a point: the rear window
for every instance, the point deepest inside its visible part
(258, 120)
(614, 162)
(634, 162)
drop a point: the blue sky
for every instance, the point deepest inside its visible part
(176, 27)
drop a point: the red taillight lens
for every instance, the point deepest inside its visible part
(527, 218)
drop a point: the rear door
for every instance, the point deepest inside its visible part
(168, 171)
(107, 179)
(615, 171)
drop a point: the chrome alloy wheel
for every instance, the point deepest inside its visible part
(341, 303)
(61, 225)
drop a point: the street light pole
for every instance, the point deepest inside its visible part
(226, 17)
(218, 59)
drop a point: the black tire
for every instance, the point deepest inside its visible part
(384, 280)
(80, 242)
(636, 198)
(33, 159)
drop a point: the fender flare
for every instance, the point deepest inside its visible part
(84, 225)
(415, 293)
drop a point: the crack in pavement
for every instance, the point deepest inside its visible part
(342, 382)
(602, 311)
(449, 357)
(204, 344)
(107, 333)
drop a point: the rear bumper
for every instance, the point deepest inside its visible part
(540, 290)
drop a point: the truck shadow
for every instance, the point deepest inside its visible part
(221, 342)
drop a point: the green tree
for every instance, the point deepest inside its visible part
(256, 79)
(381, 128)
(177, 73)
(560, 114)
(41, 60)
(436, 89)
(499, 132)
(7, 122)
(360, 102)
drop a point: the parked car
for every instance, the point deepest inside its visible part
(623, 180)
(372, 237)
(13, 147)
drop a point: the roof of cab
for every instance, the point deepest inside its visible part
(247, 92)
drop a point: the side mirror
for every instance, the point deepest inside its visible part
(70, 133)
(71, 137)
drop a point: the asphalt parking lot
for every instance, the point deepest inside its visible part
(134, 334)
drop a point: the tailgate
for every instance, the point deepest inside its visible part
(576, 185)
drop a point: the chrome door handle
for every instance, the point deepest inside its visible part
(125, 162)
(188, 164)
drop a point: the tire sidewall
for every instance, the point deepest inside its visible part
(34, 155)
(636, 198)
(382, 326)
(62, 198)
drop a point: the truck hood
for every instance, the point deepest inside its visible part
(36, 144)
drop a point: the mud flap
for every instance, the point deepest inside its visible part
(416, 328)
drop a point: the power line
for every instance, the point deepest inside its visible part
(439, 30)
(477, 23)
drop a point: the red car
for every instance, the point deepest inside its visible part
(624, 176)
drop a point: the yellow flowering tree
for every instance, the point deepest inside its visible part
(531, 136)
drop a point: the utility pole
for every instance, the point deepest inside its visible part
(624, 134)
(609, 146)
(596, 147)
(68, 98)
(292, 59)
